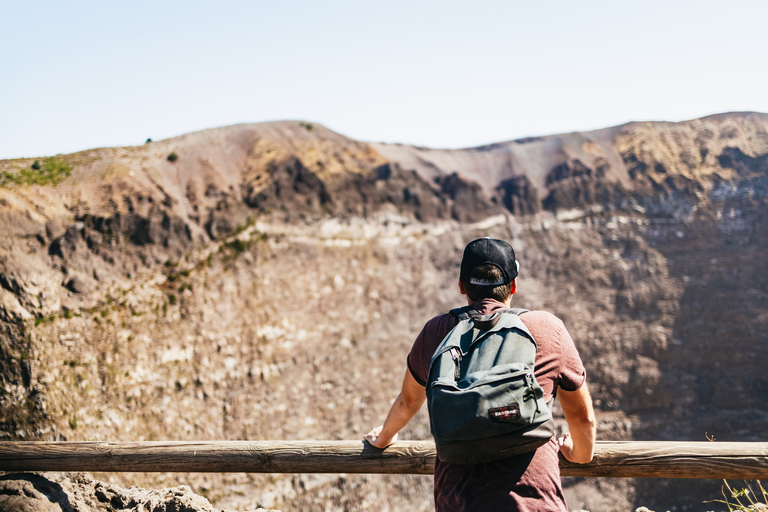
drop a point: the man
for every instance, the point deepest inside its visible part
(527, 482)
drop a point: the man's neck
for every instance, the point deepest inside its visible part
(507, 302)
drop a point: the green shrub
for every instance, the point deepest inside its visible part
(236, 246)
(51, 172)
(239, 229)
(173, 157)
(148, 140)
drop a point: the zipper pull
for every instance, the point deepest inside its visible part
(529, 381)
(456, 356)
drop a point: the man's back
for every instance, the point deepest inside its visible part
(527, 482)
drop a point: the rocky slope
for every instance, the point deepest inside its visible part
(78, 492)
(281, 266)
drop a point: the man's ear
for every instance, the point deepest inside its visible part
(461, 288)
(513, 288)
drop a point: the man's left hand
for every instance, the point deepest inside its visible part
(376, 440)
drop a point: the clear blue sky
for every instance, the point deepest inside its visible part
(82, 74)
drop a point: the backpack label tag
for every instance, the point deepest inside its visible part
(508, 412)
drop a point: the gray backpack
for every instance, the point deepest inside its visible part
(484, 401)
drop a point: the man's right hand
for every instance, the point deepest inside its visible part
(376, 441)
(579, 444)
(565, 443)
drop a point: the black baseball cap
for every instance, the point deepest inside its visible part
(489, 251)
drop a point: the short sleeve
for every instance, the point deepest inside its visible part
(557, 361)
(416, 360)
(572, 372)
(425, 345)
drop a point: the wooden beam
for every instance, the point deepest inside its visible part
(411, 457)
(631, 459)
(674, 459)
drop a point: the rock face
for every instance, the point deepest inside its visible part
(278, 267)
(79, 492)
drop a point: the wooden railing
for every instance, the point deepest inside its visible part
(655, 459)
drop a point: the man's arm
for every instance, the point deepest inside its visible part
(405, 407)
(579, 445)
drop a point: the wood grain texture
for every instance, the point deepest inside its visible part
(640, 459)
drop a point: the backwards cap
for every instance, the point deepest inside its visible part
(489, 251)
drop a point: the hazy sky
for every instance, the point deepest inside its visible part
(78, 74)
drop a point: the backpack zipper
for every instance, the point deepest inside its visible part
(456, 356)
(529, 381)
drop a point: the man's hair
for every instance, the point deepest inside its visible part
(490, 274)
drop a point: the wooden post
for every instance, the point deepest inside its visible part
(636, 459)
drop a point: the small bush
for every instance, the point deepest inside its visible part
(239, 229)
(148, 140)
(308, 126)
(236, 246)
(173, 157)
(51, 171)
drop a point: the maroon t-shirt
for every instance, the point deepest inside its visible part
(527, 482)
